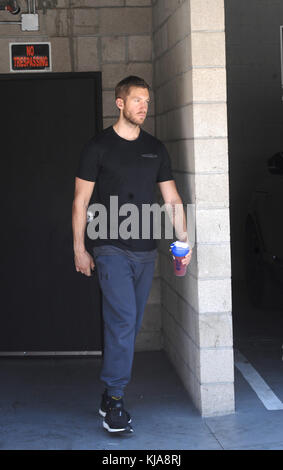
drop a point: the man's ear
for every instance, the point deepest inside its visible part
(119, 103)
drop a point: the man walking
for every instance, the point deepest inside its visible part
(126, 162)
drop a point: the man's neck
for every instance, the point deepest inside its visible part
(127, 131)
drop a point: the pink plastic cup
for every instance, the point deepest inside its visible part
(179, 251)
(180, 269)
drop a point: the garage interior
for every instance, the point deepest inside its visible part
(215, 72)
(254, 85)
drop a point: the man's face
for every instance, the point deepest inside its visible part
(135, 105)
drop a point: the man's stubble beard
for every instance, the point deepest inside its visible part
(128, 117)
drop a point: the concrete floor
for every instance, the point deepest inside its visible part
(52, 403)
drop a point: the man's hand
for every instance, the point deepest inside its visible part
(187, 258)
(84, 263)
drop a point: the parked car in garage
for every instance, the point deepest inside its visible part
(264, 237)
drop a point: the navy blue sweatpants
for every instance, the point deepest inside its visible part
(125, 286)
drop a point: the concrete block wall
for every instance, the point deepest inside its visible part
(191, 119)
(111, 36)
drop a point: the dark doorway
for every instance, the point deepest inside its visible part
(45, 121)
(255, 113)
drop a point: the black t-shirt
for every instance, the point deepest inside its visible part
(128, 169)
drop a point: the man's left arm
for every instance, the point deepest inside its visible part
(174, 206)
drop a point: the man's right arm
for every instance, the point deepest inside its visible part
(83, 190)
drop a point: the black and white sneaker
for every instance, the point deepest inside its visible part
(116, 418)
(105, 405)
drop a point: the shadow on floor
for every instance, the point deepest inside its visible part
(53, 403)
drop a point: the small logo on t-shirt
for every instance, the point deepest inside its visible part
(149, 155)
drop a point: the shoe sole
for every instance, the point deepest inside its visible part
(103, 414)
(128, 429)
